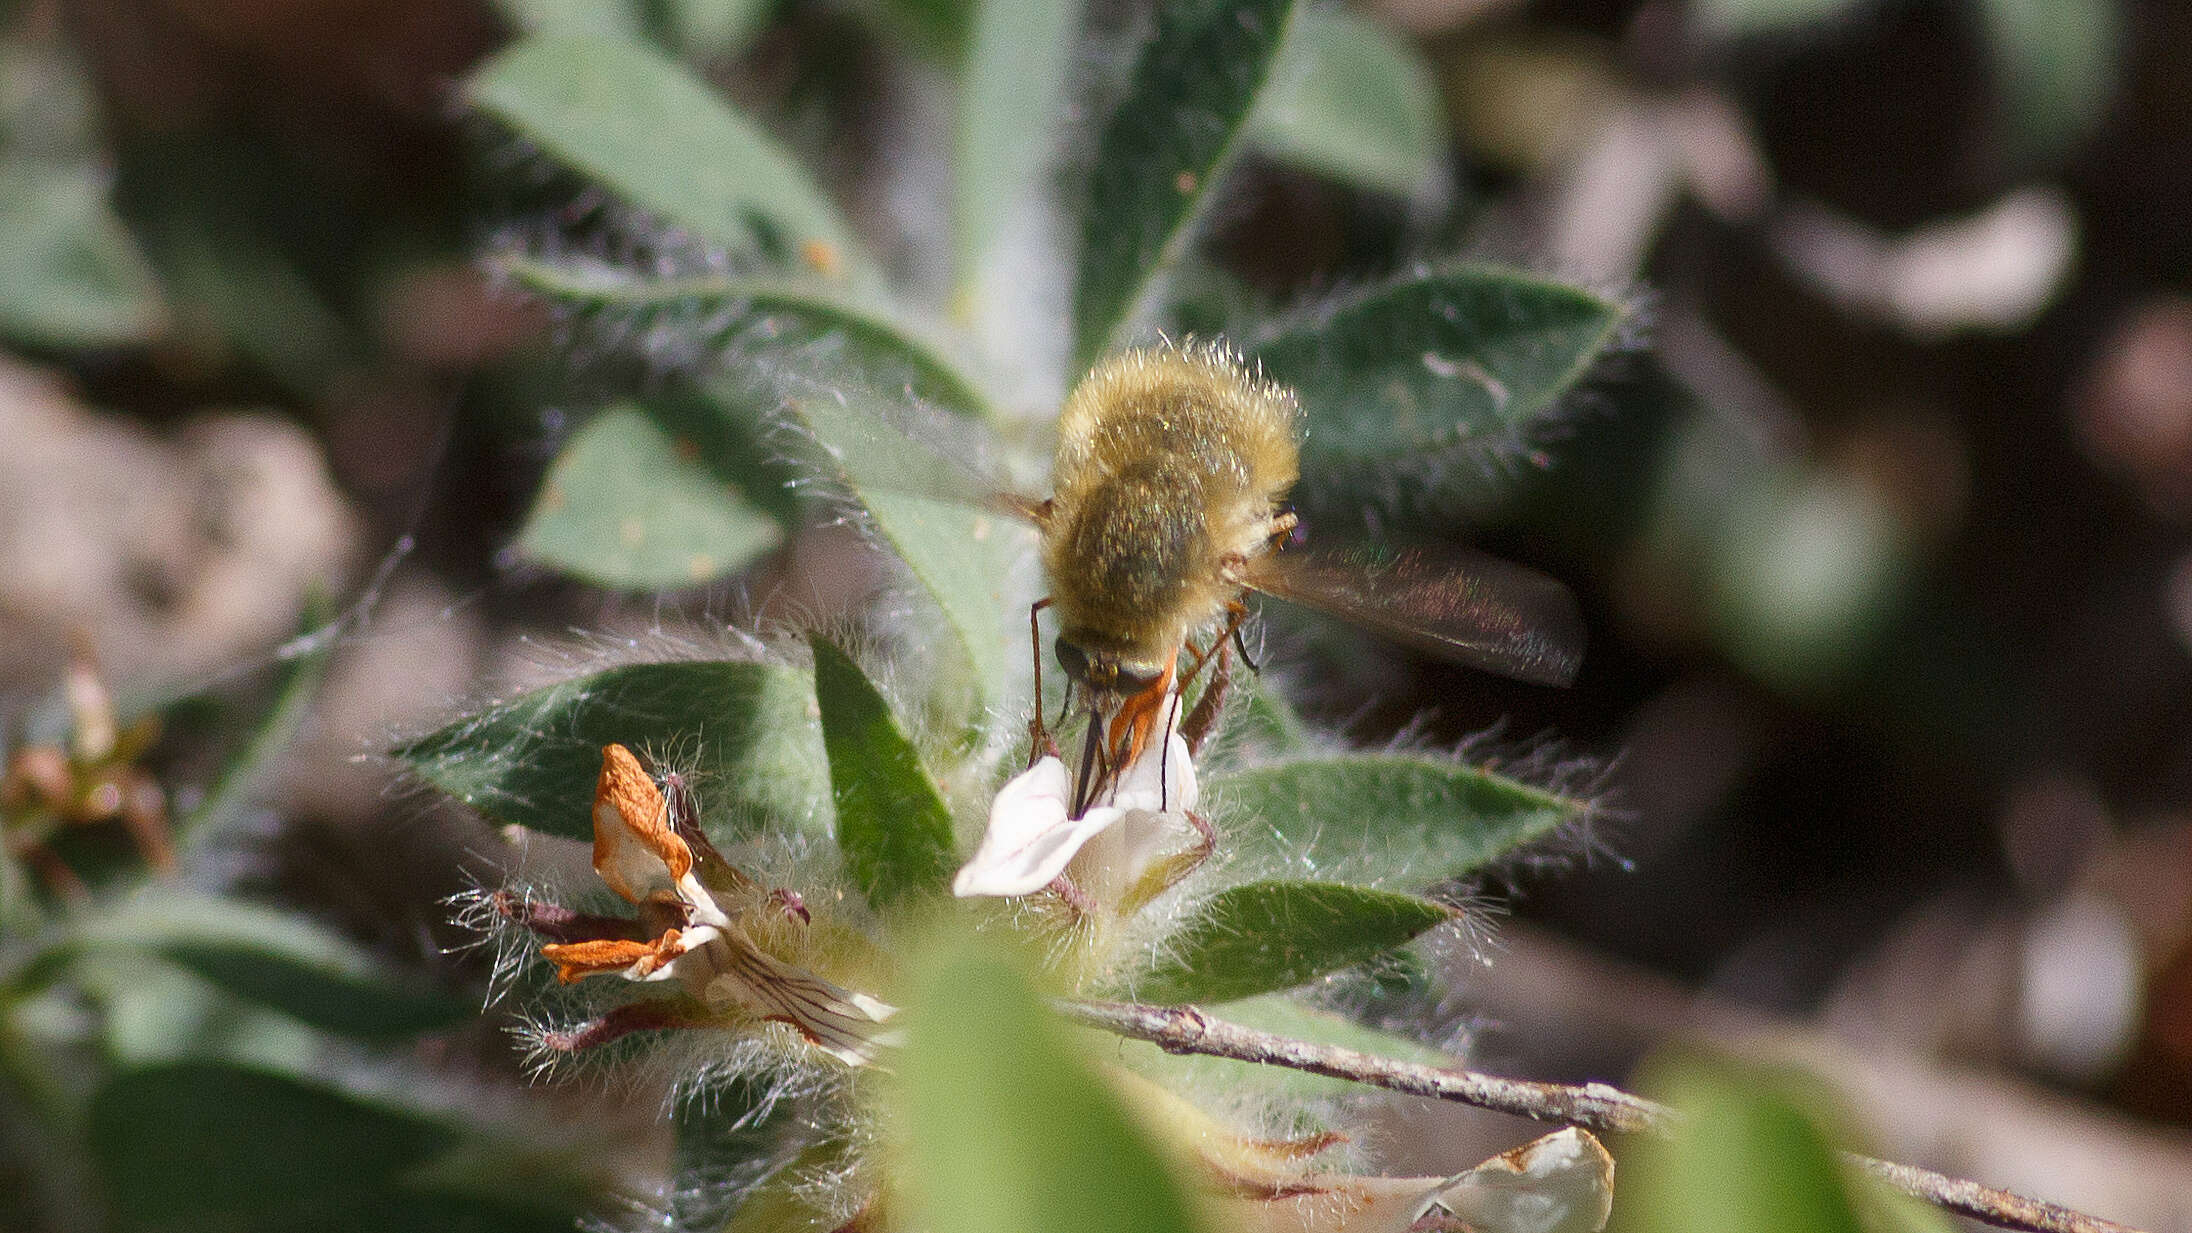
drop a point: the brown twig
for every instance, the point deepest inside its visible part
(1594, 1106)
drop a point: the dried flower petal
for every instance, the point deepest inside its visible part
(600, 956)
(639, 853)
(635, 851)
(1562, 1183)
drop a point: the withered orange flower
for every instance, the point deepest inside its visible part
(94, 779)
(684, 934)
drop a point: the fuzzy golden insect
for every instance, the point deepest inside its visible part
(1172, 472)
(1169, 501)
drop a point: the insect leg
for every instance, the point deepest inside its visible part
(1240, 643)
(1084, 782)
(1236, 615)
(1039, 741)
(1195, 728)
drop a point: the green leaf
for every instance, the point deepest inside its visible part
(936, 28)
(1018, 60)
(1400, 817)
(656, 136)
(70, 275)
(20, 915)
(965, 557)
(1006, 1128)
(846, 375)
(201, 1145)
(615, 18)
(1352, 100)
(627, 506)
(1749, 1157)
(225, 799)
(730, 1140)
(1465, 357)
(1745, 18)
(1265, 936)
(278, 960)
(787, 1201)
(1260, 725)
(713, 28)
(203, 1142)
(867, 344)
(1808, 571)
(1286, 1016)
(892, 824)
(744, 733)
(2055, 62)
(1162, 150)
(154, 1011)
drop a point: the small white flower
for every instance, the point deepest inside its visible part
(1032, 835)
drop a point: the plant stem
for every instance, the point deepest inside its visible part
(1594, 1106)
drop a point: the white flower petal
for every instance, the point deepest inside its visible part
(731, 970)
(1030, 838)
(1162, 780)
(1562, 1183)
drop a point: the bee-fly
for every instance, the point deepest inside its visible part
(1168, 501)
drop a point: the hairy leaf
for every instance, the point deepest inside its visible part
(798, 320)
(1399, 817)
(743, 733)
(1265, 936)
(1162, 150)
(787, 1201)
(965, 556)
(1468, 356)
(1352, 100)
(656, 136)
(892, 825)
(628, 506)
(1006, 1128)
(729, 1139)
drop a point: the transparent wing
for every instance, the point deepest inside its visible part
(906, 448)
(1451, 602)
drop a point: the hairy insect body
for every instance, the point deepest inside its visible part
(1172, 466)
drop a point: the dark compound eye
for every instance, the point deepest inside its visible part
(1133, 680)
(1074, 660)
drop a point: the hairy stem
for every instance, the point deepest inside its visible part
(1595, 1106)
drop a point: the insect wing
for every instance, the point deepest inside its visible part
(903, 448)
(1456, 604)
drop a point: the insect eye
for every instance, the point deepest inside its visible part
(1074, 660)
(1135, 680)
